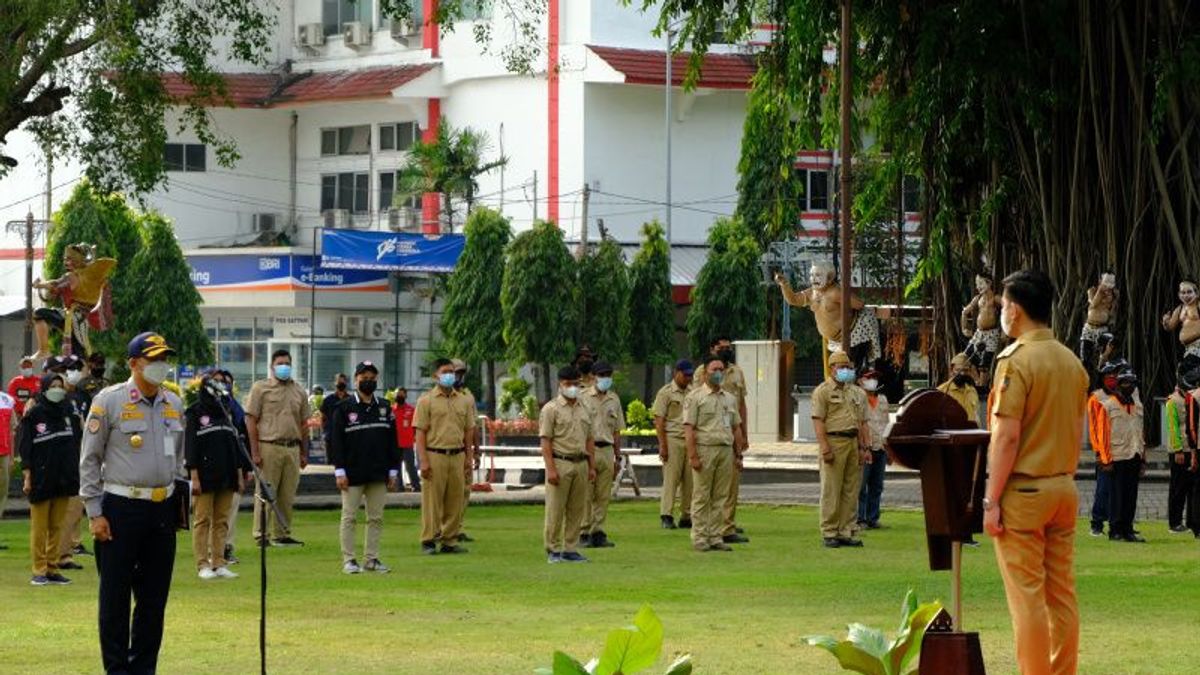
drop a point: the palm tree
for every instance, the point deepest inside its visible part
(449, 166)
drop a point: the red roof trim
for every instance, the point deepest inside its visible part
(268, 90)
(644, 66)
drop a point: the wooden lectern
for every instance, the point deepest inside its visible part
(932, 434)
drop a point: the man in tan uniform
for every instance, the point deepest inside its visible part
(713, 429)
(1030, 503)
(734, 382)
(275, 415)
(445, 430)
(672, 448)
(961, 386)
(608, 420)
(839, 413)
(460, 383)
(565, 427)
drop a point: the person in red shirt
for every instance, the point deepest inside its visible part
(405, 437)
(25, 386)
(8, 422)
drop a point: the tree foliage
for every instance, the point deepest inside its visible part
(651, 311)
(604, 291)
(449, 166)
(167, 301)
(473, 328)
(103, 61)
(729, 297)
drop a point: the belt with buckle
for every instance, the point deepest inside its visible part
(285, 444)
(150, 494)
(570, 458)
(603, 444)
(445, 451)
(842, 434)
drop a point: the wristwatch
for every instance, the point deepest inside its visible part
(988, 504)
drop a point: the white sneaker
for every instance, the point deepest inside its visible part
(351, 567)
(225, 573)
(376, 566)
(207, 574)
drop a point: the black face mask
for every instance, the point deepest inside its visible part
(725, 354)
(340, 386)
(367, 387)
(97, 372)
(963, 380)
(400, 400)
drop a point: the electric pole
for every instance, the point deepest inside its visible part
(28, 229)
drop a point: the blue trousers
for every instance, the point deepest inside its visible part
(1100, 499)
(872, 487)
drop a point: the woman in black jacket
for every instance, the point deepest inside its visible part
(49, 449)
(211, 455)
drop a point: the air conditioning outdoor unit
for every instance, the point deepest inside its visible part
(310, 35)
(351, 326)
(356, 34)
(406, 33)
(402, 219)
(378, 329)
(336, 218)
(266, 222)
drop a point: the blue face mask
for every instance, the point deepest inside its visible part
(447, 380)
(716, 378)
(845, 375)
(283, 371)
(604, 383)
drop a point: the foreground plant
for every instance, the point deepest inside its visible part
(628, 650)
(867, 650)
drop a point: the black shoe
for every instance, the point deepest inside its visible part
(1177, 529)
(849, 542)
(287, 542)
(735, 539)
(1097, 530)
(685, 523)
(230, 558)
(452, 549)
(721, 547)
(668, 523)
(874, 526)
(70, 565)
(80, 550)
(970, 541)
(57, 579)
(1133, 539)
(428, 548)
(463, 537)
(600, 540)
(3, 547)
(585, 540)
(832, 542)
(739, 530)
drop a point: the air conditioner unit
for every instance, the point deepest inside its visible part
(356, 34)
(351, 326)
(378, 329)
(310, 35)
(406, 33)
(336, 218)
(266, 222)
(402, 219)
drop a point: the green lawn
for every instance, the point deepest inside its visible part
(502, 609)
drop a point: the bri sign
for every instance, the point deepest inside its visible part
(390, 251)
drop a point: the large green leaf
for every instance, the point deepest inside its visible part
(681, 666)
(907, 644)
(633, 648)
(870, 640)
(849, 655)
(564, 664)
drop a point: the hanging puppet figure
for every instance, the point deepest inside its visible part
(1102, 308)
(984, 336)
(1186, 319)
(85, 297)
(824, 298)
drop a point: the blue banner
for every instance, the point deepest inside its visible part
(277, 272)
(390, 251)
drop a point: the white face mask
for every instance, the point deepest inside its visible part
(156, 372)
(571, 392)
(1006, 321)
(56, 394)
(870, 385)
(27, 372)
(74, 376)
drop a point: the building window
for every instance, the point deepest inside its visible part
(912, 194)
(337, 13)
(347, 191)
(816, 189)
(388, 181)
(346, 141)
(185, 157)
(476, 10)
(399, 136)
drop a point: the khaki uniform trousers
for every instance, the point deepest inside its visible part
(70, 536)
(729, 511)
(45, 532)
(677, 478)
(280, 468)
(235, 502)
(600, 491)
(441, 498)
(565, 505)
(711, 489)
(376, 496)
(1036, 555)
(840, 482)
(210, 527)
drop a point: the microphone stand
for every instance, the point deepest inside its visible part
(265, 494)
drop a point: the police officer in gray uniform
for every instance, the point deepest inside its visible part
(132, 452)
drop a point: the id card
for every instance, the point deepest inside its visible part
(169, 444)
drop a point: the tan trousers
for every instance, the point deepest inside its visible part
(280, 468)
(235, 501)
(70, 536)
(45, 531)
(729, 512)
(376, 497)
(565, 504)
(711, 489)
(677, 478)
(209, 528)
(441, 498)
(1036, 556)
(600, 492)
(840, 481)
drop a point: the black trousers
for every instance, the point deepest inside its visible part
(408, 456)
(1123, 494)
(138, 560)
(1182, 508)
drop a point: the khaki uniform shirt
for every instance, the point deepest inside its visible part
(567, 425)
(130, 441)
(841, 406)
(280, 409)
(1125, 440)
(878, 418)
(713, 414)
(966, 396)
(668, 404)
(445, 417)
(608, 420)
(1042, 383)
